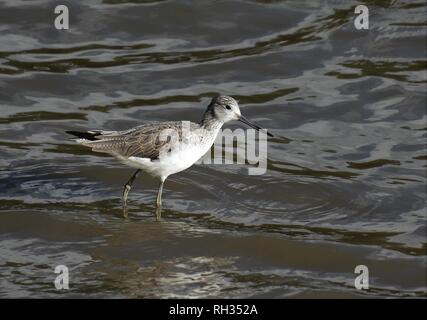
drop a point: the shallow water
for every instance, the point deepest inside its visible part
(346, 178)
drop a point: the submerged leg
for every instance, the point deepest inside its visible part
(159, 200)
(126, 190)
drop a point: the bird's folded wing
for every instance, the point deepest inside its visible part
(144, 141)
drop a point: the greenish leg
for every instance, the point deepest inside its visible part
(126, 190)
(159, 201)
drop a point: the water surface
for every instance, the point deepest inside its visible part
(346, 178)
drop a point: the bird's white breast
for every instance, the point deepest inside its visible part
(182, 155)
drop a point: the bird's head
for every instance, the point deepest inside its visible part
(226, 108)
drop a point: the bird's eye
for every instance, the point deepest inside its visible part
(227, 107)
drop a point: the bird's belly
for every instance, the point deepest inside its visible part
(182, 158)
(175, 161)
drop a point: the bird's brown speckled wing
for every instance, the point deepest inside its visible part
(143, 141)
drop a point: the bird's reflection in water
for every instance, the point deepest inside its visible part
(144, 258)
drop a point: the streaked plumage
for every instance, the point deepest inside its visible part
(142, 141)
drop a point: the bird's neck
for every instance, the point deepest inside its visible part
(210, 122)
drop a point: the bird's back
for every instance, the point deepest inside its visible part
(144, 141)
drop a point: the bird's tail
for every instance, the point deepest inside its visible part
(99, 140)
(87, 135)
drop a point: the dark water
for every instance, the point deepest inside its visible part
(346, 179)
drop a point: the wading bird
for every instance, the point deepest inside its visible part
(164, 148)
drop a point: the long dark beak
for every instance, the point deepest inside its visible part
(252, 125)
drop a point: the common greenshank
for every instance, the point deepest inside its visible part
(164, 148)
